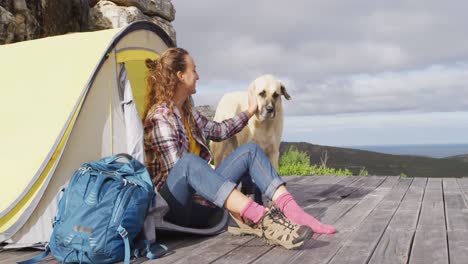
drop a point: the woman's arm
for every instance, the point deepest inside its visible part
(218, 131)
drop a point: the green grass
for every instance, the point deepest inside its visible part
(295, 162)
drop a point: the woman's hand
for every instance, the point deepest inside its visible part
(253, 106)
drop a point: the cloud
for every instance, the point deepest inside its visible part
(336, 57)
(332, 37)
(434, 89)
(343, 57)
(378, 129)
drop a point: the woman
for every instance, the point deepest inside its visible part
(177, 158)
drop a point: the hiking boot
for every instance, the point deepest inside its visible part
(241, 228)
(278, 230)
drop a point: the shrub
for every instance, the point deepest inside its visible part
(294, 157)
(363, 172)
(295, 162)
(315, 170)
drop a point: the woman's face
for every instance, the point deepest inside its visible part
(189, 77)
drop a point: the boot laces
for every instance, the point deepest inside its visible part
(278, 217)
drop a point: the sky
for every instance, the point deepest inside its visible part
(362, 72)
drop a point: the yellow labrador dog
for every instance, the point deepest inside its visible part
(264, 128)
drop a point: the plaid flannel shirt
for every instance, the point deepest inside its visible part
(166, 139)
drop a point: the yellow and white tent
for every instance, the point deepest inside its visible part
(64, 102)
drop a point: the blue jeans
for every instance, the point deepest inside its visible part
(191, 174)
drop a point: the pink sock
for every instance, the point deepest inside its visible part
(253, 211)
(296, 214)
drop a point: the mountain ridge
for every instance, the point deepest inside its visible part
(382, 164)
(462, 157)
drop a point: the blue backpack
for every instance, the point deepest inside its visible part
(101, 213)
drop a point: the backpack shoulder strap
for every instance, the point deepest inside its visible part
(124, 234)
(36, 258)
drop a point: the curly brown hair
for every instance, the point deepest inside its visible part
(162, 81)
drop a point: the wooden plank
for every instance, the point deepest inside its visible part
(204, 251)
(347, 186)
(174, 246)
(298, 179)
(307, 191)
(343, 190)
(288, 179)
(430, 241)
(245, 253)
(241, 255)
(363, 185)
(394, 246)
(174, 242)
(361, 244)
(456, 206)
(463, 184)
(281, 255)
(372, 185)
(456, 210)
(181, 245)
(13, 256)
(458, 246)
(325, 247)
(336, 192)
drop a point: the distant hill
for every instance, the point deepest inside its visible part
(375, 163)
(383, 164)
(463, 157)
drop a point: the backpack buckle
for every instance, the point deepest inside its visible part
(122, 231)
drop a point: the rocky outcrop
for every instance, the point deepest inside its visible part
(41, 18)
(27, 27)
(7, 26)
(30, 19)
(107, 14)
(206, 110)
(158, 8)
(61, 17)
(17, 21)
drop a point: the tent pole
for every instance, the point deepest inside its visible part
(110, 118)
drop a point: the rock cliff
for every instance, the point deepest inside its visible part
(30, 19)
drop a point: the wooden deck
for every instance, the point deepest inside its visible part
(379, 220)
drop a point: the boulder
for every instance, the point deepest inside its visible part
(6, 4)
(7, 26)
(27, 26)
(207, 110)
(165, 25)
(41, 18)
(161, 8)
(30, 19)
(107, 14)
(60, 17)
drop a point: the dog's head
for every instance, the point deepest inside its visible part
(269, 91)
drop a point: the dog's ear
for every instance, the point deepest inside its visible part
(284, 92)
(252, 87)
